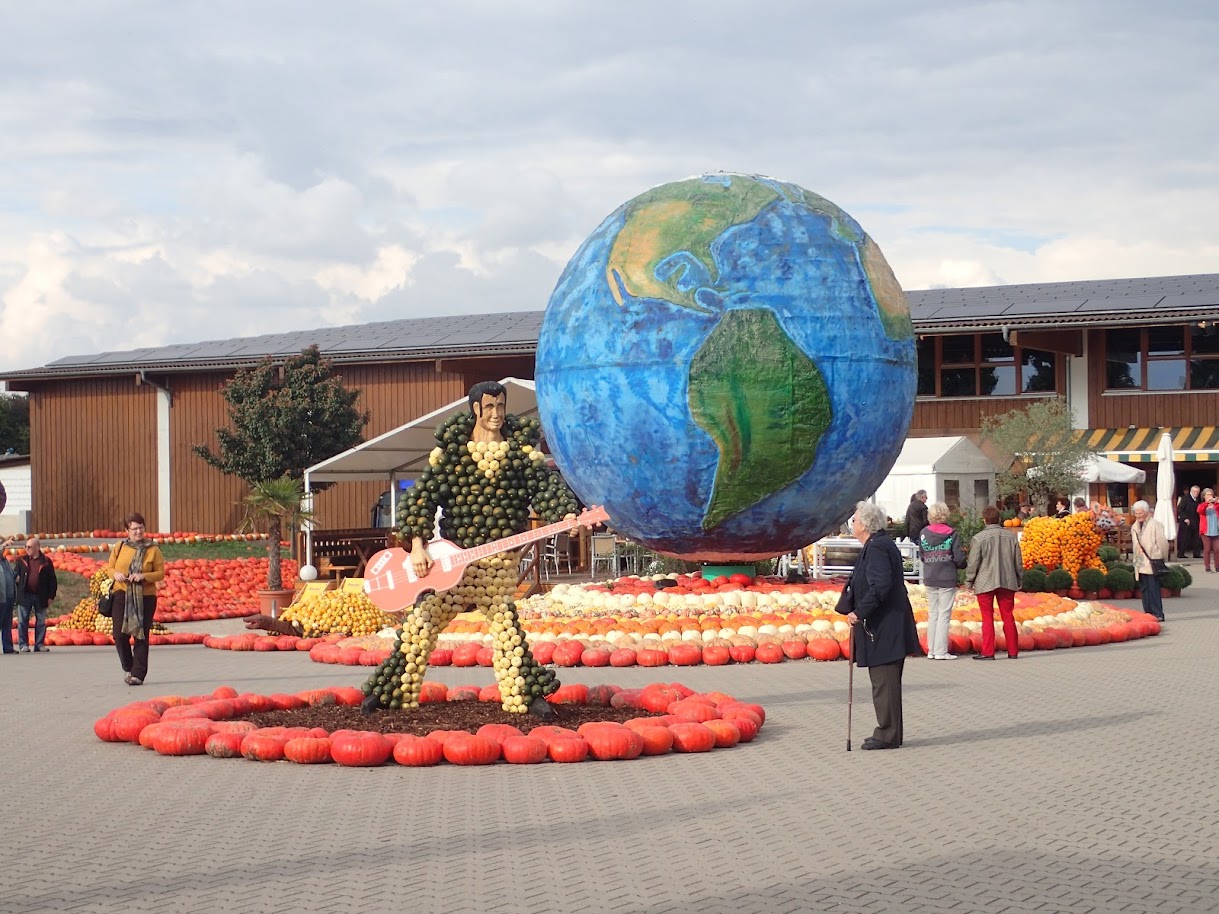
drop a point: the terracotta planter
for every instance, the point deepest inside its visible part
(273, 602)
(1123, 594)
(1060, 593)
(1091, 595)
(1172, 593)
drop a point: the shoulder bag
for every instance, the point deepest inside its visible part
(1159, 567)
(105, 602)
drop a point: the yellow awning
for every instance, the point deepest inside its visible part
(1193, 443)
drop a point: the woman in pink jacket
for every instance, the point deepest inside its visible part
(1208, 529)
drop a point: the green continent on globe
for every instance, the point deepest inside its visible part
(763, 402)
(659, 224)
(890, 299)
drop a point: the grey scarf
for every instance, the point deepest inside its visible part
(133, 609)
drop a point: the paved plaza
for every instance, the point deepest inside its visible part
(1072, 780)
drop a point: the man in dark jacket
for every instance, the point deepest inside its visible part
(916, 515)
(1188, 536)
(883, 633)
(36, 589)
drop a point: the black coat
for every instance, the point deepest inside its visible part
(1187, 510)
(48, 584)
(916, 519)
(876, 591)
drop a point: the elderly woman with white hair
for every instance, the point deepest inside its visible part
(1150, 543)
(883, 634)
(939, 548)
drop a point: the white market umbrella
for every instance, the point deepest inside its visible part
(1166, 484)
(1101, 469)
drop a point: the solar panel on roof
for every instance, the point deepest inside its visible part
(1042, 307)
(1189, 299)
(1120, 303)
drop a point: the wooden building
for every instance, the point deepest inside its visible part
(1131, 355)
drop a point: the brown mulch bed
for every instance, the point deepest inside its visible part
(440, 715)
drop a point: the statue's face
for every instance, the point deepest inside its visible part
(491, 412)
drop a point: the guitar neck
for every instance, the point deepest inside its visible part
(469, 556)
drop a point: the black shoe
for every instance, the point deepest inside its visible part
(873, 743)
(981, 657)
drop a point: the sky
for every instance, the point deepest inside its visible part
(187, 171)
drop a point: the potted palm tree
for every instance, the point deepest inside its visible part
(275, 504)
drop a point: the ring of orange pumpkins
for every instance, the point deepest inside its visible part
(659, 718)
(681, 620)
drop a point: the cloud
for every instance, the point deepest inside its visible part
(218, 169)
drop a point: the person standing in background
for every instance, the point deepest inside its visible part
(36, 589)
(1208, 530)
(916, 515)
(995, 571)
(1188, 537)
(942, 555)
(1149, 543)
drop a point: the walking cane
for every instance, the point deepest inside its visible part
(850, 685)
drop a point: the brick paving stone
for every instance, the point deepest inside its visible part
(1074, 780)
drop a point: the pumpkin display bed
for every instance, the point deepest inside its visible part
(462, 725)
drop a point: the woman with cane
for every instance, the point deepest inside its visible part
(883, 634)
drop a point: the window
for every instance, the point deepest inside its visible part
(982, 365)
(952, 493)
(1162, 358)
(981, 493)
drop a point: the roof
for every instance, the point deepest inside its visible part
(403, 452)
(1097, 303)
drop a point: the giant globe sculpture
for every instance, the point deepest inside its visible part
(727, 365)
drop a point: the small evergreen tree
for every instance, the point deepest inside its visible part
(285, 423)
(1039, 437)
(14, 423)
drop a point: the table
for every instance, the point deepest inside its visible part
(350, 549)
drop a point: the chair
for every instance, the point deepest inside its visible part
(603, 551)
(557, 553)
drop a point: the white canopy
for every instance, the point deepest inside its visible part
(954, 454)
(403, 452)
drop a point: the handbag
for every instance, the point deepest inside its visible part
(105, 600)
(1159, 567)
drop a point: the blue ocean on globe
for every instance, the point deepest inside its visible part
(726, 364)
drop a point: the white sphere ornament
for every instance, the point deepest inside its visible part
(307, 573)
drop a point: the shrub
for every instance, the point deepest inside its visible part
(1033, 581)
(1108, 554)
(1189, 578)
(1173, 580)
(1041, 568)
(1059, 579)
(1090, 579)
(1119, 580)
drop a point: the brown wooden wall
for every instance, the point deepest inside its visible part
(1145, 410)
(79, 487)
(202, 499)
(958, 417)
(92, 454)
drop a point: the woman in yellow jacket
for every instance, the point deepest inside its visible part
(136, 565)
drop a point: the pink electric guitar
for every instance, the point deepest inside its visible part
(390, 580)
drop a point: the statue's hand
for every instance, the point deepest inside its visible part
(421, 561)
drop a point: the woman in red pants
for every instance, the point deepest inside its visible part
(995, 571)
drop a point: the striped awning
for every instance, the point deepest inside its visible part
(1194, 443)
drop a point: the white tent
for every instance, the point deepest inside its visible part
(401, 454)
(949, 468)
